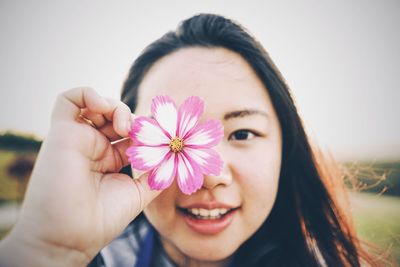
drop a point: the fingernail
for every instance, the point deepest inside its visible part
(128, 126)
(133, 117)
(130, 122)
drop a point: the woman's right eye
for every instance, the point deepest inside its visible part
(241, 135)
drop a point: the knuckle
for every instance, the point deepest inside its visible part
(117, 104)
(82, 88)
(71, 91)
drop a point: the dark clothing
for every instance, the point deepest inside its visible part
(137, 246)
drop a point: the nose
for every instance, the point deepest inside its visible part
(225, 178)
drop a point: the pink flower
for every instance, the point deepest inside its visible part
(174, 143)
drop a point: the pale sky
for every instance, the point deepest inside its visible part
(340, 58)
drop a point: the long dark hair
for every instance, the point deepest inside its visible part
(305, 227)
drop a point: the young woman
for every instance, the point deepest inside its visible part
(273, 204)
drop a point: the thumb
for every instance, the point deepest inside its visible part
(125, 198)
(146, 194)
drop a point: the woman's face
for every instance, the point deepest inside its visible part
(251, 151)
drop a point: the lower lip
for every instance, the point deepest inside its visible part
(209, 227)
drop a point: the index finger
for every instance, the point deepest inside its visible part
(69, 104)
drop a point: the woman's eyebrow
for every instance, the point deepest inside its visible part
(243, 113)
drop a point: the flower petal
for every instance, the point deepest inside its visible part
(146, 131)
(208, 160)
(206, 134)
(189, 114)
(163, 109)
(162, 176)
(146, 157)
(189, 176)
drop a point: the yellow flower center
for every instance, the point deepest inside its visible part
(176, 144)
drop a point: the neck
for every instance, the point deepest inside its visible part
(180, 259)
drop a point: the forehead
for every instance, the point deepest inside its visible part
(222, 78)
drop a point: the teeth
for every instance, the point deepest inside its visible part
(223, 211)
(208, 214)
(204, 212)
(214, 212)
(195, 211)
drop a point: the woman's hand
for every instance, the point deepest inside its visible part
(77, 202)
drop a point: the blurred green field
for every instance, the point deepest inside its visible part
(377, 218)
(8, 186)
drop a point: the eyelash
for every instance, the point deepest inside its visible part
(241, 131)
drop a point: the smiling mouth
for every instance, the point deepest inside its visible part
(206, 214)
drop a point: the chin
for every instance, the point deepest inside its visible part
(210, 250)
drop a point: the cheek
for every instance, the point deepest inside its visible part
(258, 167)
(258, 177)
(161, 211)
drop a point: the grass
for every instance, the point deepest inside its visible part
(377, 220)
(8, 186)
(4, 232)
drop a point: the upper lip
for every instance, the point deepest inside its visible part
(208, 206)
